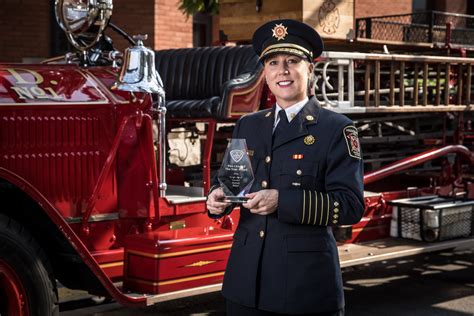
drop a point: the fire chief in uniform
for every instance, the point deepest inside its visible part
(308, 177)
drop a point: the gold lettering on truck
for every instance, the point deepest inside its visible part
(37, 78)
(26, 85)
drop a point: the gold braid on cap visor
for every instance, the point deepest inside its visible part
(289, 48)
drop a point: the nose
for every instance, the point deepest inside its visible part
(284, 69)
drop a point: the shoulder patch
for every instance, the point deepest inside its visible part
(352, 140)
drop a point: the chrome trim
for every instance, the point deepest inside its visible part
(94, 218)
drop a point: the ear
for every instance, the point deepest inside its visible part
(310, 68)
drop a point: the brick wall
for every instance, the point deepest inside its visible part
(366, 8)
(455, 6)
(134, 17)
(165, 25)
(172, 28)
(24, 30)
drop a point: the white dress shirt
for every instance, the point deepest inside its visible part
(291, 111)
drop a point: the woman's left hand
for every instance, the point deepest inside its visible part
(263, 202)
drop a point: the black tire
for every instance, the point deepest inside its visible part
(24, 256)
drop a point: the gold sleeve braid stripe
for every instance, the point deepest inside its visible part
(315, 207)
(318, 205)
(309, 208)
(304, 206)
(320, 210)
(322, 205)
(327, 211)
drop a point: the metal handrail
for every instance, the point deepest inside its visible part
(418, 159)
(418, 12)
(417, 27)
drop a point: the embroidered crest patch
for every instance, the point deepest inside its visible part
(352, 140)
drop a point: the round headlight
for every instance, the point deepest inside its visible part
(83, 20)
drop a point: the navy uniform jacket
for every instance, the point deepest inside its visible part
(287, 262)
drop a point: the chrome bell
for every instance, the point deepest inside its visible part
(138, 73)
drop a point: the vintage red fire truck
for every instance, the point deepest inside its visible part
(91, 199)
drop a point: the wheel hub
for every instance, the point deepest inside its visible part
(12, 292)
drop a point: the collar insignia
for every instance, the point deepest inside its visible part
(280, 32)
(268, 114)
(309, 140)
(309, 118)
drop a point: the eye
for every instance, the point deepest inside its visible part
(272, 62)
(293, 60)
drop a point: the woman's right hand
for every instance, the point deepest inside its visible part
(215, 202)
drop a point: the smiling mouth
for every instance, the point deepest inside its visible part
(285, 83)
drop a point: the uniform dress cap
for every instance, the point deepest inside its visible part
(288, 37)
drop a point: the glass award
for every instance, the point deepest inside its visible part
(236, 175)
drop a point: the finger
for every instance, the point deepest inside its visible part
(216, 199)
(216, 195)
(220, 205)
(216, 212)
(251, 195)
(263, 210)
(219, 193)
(258, 211)
(247, 204)
(252, 203)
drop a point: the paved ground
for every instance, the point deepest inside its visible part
(439, 284)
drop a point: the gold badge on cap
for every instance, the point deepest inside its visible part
(280, 32)
(309, 140)
(309, 118)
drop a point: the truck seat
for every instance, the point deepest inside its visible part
(199, 81)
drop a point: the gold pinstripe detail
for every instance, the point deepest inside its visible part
(179, 253)
(111, 265)
(309, 208)
(198, 277)
(327, 212)
(304, 205)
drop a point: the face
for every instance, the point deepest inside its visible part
(287, 77)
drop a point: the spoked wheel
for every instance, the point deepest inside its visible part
(12, 293)
(27, 286)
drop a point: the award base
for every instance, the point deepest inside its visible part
(236, 199)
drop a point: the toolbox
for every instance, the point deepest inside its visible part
(165, 261)
(432, 218)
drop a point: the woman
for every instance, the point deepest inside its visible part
(308, 177)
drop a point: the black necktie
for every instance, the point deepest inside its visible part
(282, 124)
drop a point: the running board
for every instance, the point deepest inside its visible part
(154, 299)
(393, 248)
(349, 255)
